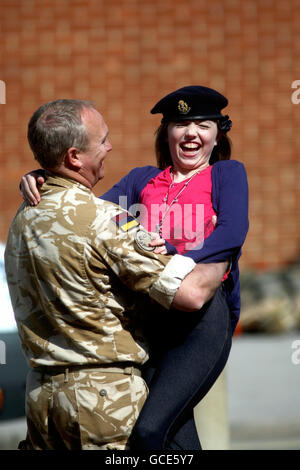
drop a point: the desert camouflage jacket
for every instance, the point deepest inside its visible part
(75, 266)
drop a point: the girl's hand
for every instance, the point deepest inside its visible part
(29, 187)
(159, 243)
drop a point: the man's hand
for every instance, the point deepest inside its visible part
(199, 286)
(29, 187)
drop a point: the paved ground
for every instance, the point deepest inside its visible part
(263, 393)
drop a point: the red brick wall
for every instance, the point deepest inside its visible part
(126, 54)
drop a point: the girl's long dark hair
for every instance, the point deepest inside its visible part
(222, 151)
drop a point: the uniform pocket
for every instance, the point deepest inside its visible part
(108, 406)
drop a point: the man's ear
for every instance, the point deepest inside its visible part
(72, 160)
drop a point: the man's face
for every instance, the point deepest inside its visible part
(93, 158)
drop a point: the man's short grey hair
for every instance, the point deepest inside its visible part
(54, 128)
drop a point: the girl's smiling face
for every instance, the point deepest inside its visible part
(191, 143)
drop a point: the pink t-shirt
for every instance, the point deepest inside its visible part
(189, 219)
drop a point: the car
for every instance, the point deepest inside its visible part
(13, 371)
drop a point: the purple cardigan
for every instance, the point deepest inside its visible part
(230, 202)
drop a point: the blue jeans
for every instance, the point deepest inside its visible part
(193, 353)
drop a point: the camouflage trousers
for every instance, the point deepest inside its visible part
(87, 409)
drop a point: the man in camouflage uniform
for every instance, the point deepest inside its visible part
(72, 263)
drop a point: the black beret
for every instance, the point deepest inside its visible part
(191, 102)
